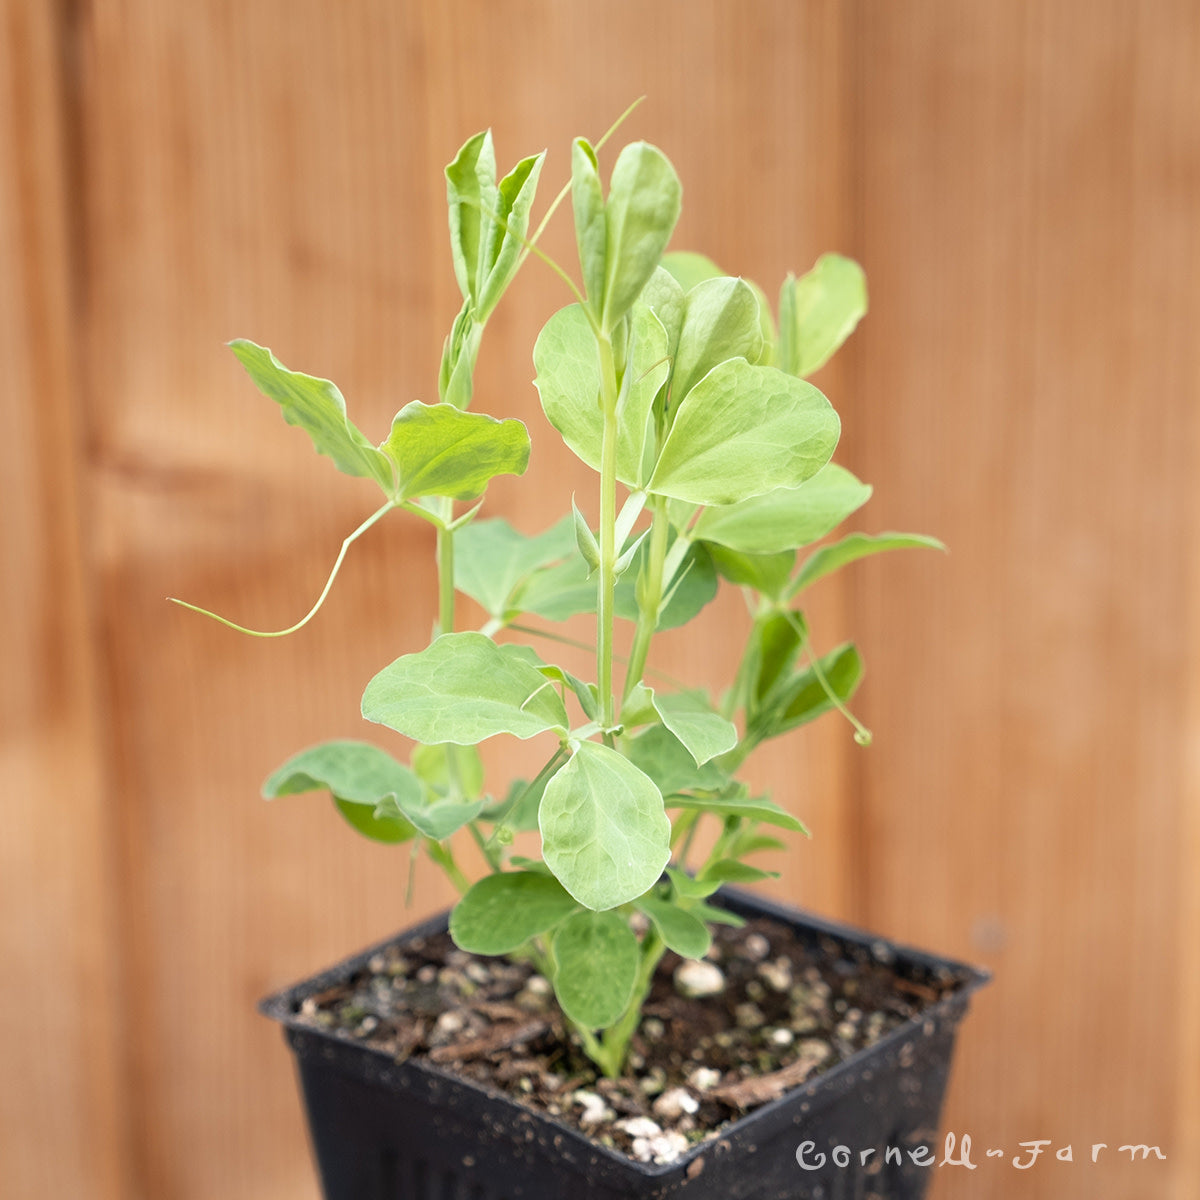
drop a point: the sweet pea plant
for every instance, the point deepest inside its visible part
(678, 386)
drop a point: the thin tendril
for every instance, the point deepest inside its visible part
(862, 735)
(312, 612)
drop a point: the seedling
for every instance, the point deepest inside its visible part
(689, 399)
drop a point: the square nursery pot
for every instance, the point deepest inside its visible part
(387, 1130)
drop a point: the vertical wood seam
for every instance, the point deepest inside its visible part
(71, 30)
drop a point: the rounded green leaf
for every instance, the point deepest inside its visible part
(787, 517)
(354, 771)
(359, 776)
(492, 560)
(463, 688)
(765, 573)
(720, 321)
(568, 383)
(744, 430)
(439, 450)
(644, 199)
(680, 930)
(818, 312)
(596, 956)
(503, 911)
(605, 833)
(434, 821)
(690, 717)
(389, 830)
(689, 268)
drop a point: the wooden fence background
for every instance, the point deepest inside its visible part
(1021, 180)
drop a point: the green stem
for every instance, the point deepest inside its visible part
(445, 563)
(445, 560)
(605, 604)
(650, 597)
(444, 857)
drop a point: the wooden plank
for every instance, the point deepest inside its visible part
(1027, 203)
(61, 1109)
(274, 171)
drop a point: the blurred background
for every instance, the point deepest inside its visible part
(1020, 180)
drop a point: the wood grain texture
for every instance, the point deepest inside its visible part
(61, 1108)
(1021, 181)
(1027, 191)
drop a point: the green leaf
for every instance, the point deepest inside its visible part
(591, 232)
(720, 321)
(744, 430)
(431, 765)
(506, 234)
(644, 199)
(568, 383)
(690, 717)
(519, 810)
(597, 963)
(503, 911)
(353, 771)
(679, 929)
(854, 546)
(492, 560)
(718, 916)
(775, 642)
(388, 796)
(818, 312)
(802, 699)
(765, 573)
(561, 591)
(471, 195)
(605, 833)
(664, 297)
(434, 821)
(787, 517)
(658, 753)
(568, 589)
(695, 586)
(756, 843)
(463, 688)
(317, 407)
(753, 808)
(766, 325)
(690, 268)
(729, 870)
(689, 888)
(362, 818)
(441, 451)
(459, 354)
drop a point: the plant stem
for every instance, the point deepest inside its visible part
(605, 603)
(651, 596)
(445, 560)
(445, 563)
(444, 857)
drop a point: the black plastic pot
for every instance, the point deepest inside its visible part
(383, 1130)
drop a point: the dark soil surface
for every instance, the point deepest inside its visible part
(778, 1012)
